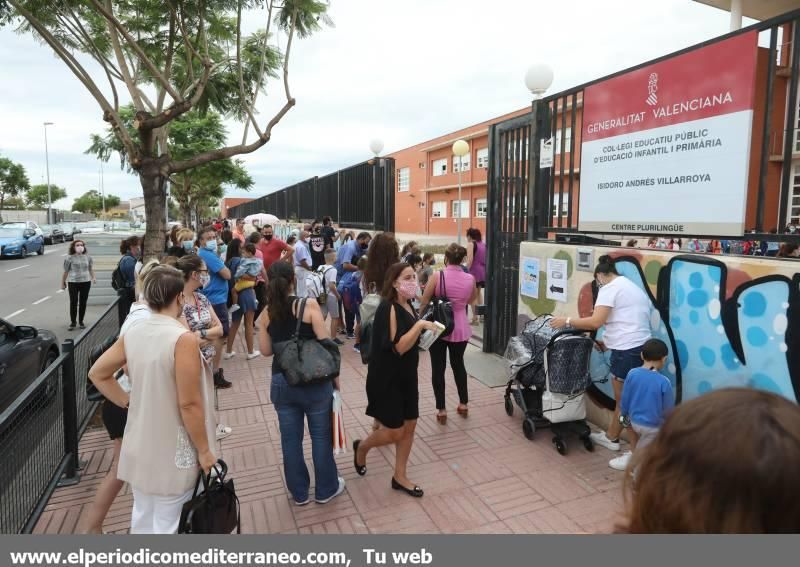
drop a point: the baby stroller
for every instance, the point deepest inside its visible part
(549, 374)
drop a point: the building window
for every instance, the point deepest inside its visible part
(403, 179)
(483, 158)
(480, 208)
(567, 140)
(464, 163)
(439, 209)
(439, 167)
(794, 207)
(461, 209)
(564, 204)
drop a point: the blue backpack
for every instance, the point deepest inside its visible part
(350, 289)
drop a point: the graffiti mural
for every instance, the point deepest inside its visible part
(729, 321)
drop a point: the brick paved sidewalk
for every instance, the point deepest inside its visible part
(480, 475)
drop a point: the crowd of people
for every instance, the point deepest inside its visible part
(185, 310)
(769, 248)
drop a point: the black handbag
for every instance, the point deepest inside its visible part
(307, 361)
(441, 310)
(92, 393)
(216, 509)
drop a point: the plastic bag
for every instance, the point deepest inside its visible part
(339, 437)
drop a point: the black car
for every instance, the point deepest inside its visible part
(70, 230)
(52, 233)
(25, 352)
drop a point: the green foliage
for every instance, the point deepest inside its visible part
(92, 202)
(13, 180)
(14, 203)
(36, 196)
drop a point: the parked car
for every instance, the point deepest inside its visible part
(52, 233)
(70, 230)
(20, 242)
(25, 353)
(24, 224)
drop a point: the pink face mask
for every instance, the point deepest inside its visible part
(407, 289)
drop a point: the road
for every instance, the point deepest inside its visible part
(31, 294)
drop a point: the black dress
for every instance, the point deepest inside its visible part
(392, 393)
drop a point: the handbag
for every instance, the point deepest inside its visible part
(441, 310)
(307, 361)
(216, 509)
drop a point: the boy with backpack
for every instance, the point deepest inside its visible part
(349, 289)
(647, 398)
(321, 285)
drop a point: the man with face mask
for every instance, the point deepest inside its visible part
(316, 245)
(272, 247)
(217, 289)
(348, 255)
(302, 263)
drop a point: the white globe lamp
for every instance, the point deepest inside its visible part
(538, 79)
(460, 148)
(376, 146)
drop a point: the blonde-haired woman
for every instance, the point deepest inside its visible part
(186, 239)
(170, 433)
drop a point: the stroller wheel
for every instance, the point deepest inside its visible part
(561, 447)
(529, 428)
(588, 444)
(509, 406)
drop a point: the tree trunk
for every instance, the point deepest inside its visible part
(2, 200)
(155, 203)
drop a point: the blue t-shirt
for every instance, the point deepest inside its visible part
(646, 397)
(217, 289)
(127, 266)
(349, 253)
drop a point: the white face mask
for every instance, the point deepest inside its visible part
(79, 249)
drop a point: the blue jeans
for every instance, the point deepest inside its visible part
(314, 402)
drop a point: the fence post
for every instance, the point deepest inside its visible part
(71, 475)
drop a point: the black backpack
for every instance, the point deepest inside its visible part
(117, 279)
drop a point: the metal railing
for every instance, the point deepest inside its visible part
(39, 432)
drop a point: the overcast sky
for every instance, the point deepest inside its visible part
(403, 71)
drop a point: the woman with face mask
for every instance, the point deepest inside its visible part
(392, 393)
(131, 250)
(78, 277)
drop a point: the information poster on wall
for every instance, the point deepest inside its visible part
(556, 280)
(665, 149)
(529, 279)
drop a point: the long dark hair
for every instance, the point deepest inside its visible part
(389, 292)
(382, 254)
(606, 266)
(281, 280)
(234, 250)
(126, 245)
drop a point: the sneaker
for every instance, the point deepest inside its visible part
(303, 503)
(71, 327)
(219, 380)
(338, 342)
(602, 439)
(342, 331)
(351, 335)
(357, 348)
(252, 355)
(81, 325)
(335, 494)
(233, 309)
(621, 463)
(223, 431)
(228, 355)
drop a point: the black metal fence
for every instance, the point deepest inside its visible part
(39, 432)
(529, 202)
(360, 196)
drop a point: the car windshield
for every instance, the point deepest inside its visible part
(10, 232)
(46, 226)
(14, 224)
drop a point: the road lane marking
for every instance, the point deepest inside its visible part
(60, 291)
(42, 300)
(63, 255)
(18, 268)
(14, 314)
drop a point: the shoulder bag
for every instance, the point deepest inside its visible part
(441, 309)
(216, 509)
(307, 361)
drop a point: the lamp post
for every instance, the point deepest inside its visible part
(47, 163)
(376, 147)
(538, 79)
(460, 149)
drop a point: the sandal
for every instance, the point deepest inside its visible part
(441, 418)
(462, 411)
(416, 492)
(360, 469)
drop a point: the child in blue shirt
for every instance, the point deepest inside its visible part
(647, 398)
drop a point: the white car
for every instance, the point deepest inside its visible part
(94, 227)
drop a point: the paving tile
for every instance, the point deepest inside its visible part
(594, 514)
(478, 468)
(558, 484)
(408, 518)
(457, 511)
(349, 525)
(545, 521)
(510, 497)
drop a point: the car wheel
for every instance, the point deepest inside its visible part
(50, 387)
(40, 251)
(24, 253)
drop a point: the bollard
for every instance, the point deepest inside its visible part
(71, 475)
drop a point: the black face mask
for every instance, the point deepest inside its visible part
(364, 246)
(267, 237)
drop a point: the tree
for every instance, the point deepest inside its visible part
(92, 202)
(36, 196)
(14, 203)
(189, 134)
(171, 56)
(13, 181)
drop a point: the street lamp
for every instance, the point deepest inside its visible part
(47, 162)
(538, 79)
(460, 149)
(376, 147)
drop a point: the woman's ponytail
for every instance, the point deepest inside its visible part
(281, 279)
(606, 265)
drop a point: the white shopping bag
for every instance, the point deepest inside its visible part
(339, 437)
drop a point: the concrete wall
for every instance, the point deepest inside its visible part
(728, 320)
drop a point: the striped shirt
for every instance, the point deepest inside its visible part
(79, 268)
